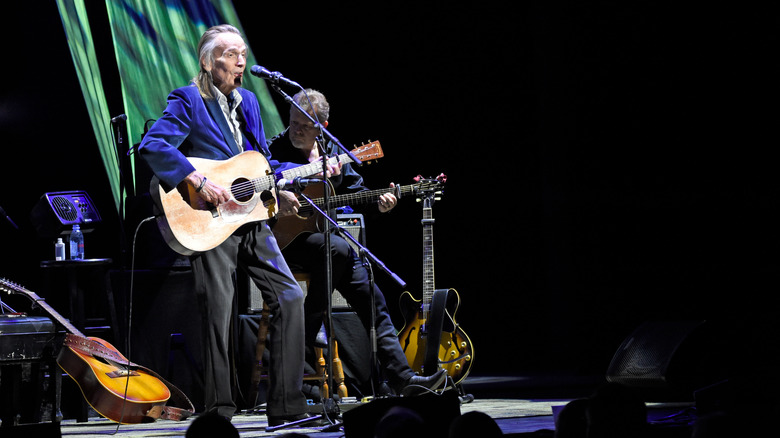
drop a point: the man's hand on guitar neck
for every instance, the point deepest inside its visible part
(387, 201)
(210, 192)
(333, 169)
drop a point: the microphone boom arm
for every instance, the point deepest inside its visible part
(317, 125)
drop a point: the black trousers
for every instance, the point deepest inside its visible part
(307, 254)
(252, 248)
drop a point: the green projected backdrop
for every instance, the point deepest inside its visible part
(154, 43)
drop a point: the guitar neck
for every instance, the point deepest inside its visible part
(314, 168)
(267, 181)
(11, 287)
(363, 197)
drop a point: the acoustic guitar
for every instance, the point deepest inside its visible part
(115, 387)
(309, 220)
(190, 225)
(431, 338)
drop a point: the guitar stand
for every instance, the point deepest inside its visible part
(462, 395)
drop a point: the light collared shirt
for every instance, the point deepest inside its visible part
(229, 110)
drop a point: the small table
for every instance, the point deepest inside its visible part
(83, 278)
(95, 270)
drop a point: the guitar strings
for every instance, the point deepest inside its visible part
(248, 188)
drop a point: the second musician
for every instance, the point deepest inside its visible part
(306, 253)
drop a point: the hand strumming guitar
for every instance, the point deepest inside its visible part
(210, 192)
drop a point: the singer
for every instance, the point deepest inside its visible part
(297, 145)
(215, 118)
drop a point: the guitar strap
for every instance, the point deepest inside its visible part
(251, 137)
(165, 412)
(435, 324)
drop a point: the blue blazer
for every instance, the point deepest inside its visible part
(195, 127)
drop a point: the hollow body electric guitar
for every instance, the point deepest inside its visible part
(190, 225)
(308, 219)
(431, 338)
(115, 387)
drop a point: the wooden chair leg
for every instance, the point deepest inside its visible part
(259, 371)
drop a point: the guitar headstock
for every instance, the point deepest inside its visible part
(429, 189)
(368, 152)
(10, 287)
(7, 286)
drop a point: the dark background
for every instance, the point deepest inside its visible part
(607, 163)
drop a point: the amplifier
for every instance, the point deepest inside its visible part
(26, 338)
(354, 225)
(351, 223)
(30, 380)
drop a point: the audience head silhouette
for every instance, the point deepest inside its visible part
(211, 426)
(400, 421)
(474, 424)
(613, 411)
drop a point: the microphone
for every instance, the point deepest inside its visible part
(296, 184)
(273, 76)
(121, 117)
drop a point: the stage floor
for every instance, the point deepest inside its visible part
(521, 406)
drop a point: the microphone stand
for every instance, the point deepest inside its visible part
(365, 254)
(329, 404)
(125, 187)
(368, 257)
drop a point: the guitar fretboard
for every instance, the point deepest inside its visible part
(429, 283)
(266, 182)
(314, 168)
(363, 197)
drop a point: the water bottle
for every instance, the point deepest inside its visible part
(76, 243)
(59, 249)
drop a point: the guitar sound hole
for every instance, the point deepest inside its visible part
(242, 190)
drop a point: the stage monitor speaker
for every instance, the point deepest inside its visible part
(665, 360)
(437, 411)
(56, 213)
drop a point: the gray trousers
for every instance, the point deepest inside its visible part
(252, 248)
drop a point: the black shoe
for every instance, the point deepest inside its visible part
(419, 384)
(279, 420)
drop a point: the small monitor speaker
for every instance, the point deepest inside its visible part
(56, 213)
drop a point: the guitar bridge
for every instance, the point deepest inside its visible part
(122, 373)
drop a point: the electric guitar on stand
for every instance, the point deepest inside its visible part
(115, 387)
(431, 338)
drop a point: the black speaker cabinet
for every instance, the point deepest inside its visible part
(56, 213)
(666, 360)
